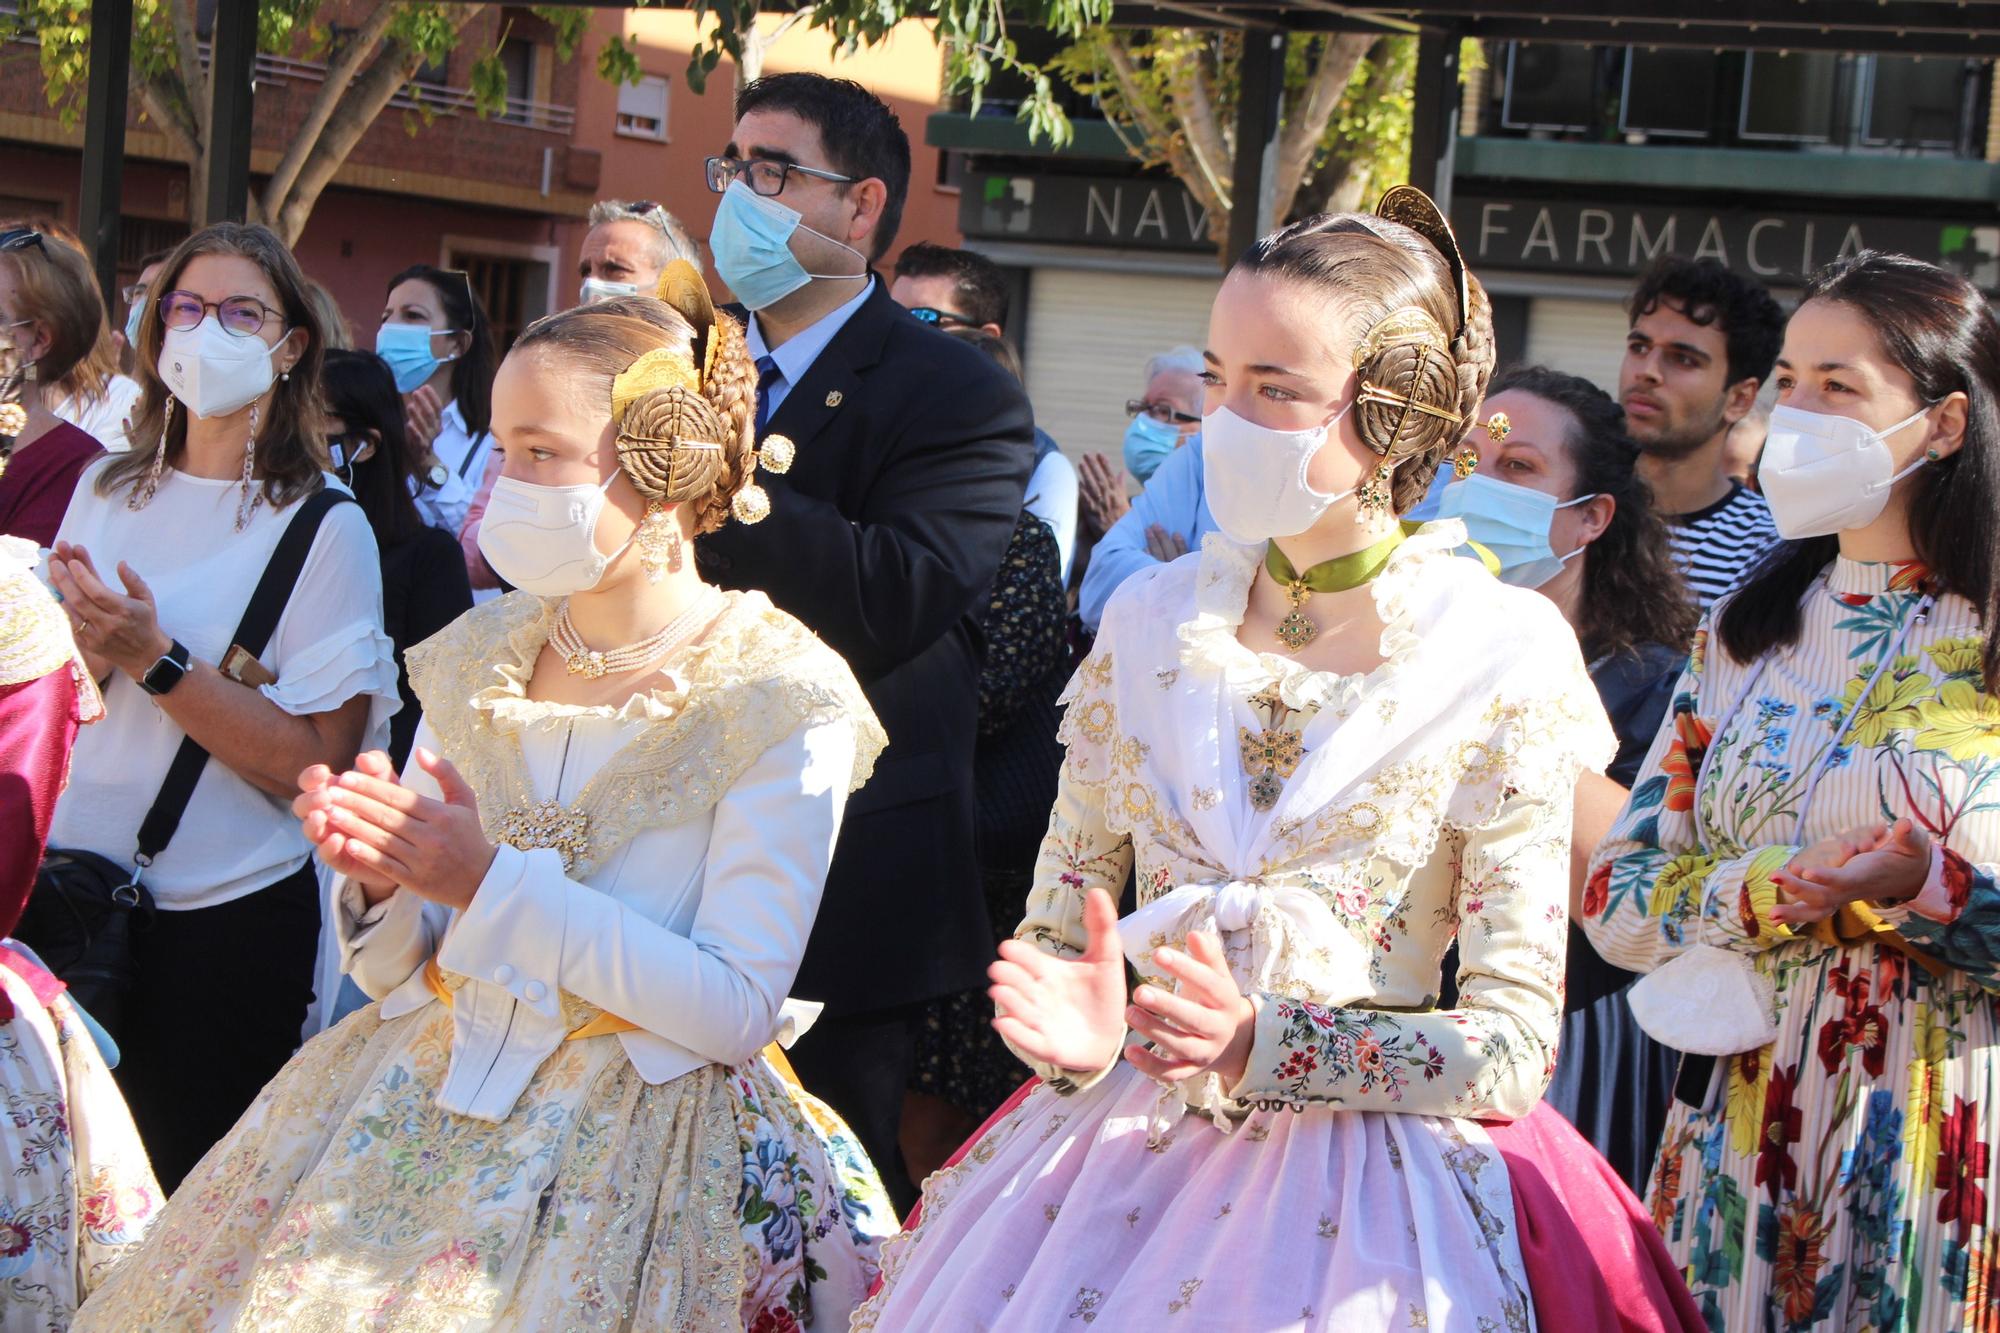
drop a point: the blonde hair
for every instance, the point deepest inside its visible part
(58, 290)
(602, 339)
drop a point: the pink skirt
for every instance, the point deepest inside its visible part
(1592, 1256)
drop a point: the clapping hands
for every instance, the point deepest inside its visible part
(1879, 863)
(368, 826)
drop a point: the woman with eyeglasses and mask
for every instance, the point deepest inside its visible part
(156, 563)
(436, 341)
(50, 314)
(1164, 418)
(424, 584)
(1807, 867)
(1557, 500)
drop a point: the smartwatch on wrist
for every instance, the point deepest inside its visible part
(168, 671)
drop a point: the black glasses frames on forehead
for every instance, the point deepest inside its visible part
(21, 238)
(471, 296)
(640, 208)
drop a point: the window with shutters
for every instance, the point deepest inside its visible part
(642, 109)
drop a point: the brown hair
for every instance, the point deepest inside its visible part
(1373, 268)
(1633, 592)
(603, 338)
(290, 452)
(58, 291)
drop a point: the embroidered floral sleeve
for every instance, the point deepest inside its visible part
(1079, 853)
(1654, 888)
(1968, 935)
(1490, 1057)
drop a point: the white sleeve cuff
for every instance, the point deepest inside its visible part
(511, 934)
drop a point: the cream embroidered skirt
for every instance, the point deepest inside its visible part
(345, 1199)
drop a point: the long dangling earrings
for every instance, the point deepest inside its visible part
(1372, 501)
(248, 504)
(144, 495)
(659, 543)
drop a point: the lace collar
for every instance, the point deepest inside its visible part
(506, 702)
(1222, 595)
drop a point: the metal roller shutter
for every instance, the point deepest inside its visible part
(1089, 337)
(1584, 338)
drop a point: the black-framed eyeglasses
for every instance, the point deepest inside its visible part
(22, 238)
(943, 319)
(244, 316)
(763, 175)
(639, 208)
(1160, 411)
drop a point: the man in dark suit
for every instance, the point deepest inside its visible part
(913, 455)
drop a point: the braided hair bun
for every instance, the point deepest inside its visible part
(712, 425)
(1421, 323)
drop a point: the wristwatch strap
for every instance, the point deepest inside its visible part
(168, 672)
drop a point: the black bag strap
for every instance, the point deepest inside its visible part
(260, 621)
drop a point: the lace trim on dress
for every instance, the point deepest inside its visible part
(756, 677)
(1222, 595)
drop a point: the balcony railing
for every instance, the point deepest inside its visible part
(435, 98)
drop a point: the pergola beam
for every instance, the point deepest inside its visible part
(102, 198)
(1253, 181)
(232, 81)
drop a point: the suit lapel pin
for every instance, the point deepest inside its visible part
(833, 399)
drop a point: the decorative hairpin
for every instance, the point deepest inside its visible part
(1498, 427)
(752, 504)
(1465, 462)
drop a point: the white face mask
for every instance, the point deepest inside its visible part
(212, 371)
(1255, 477)
(1824, 474)
(596, 289)
(543, 539)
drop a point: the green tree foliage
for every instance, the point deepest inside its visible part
(373, 49)
(1344, 124)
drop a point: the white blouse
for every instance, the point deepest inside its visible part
(104, 417)
(693, 931)
(464, 458)
(328, 648)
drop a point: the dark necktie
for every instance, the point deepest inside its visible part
(768, 375)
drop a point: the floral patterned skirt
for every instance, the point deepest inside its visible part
(1840, 1179)
(1073, 1211)
(77, 1195)
(345, 1199)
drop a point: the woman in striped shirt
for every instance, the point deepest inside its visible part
(1807, 863)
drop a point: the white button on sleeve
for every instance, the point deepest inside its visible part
(535, 991)
(503, 975)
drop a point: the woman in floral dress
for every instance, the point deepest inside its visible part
(76, 1194)
(580, 911)
(1320, 779)
(1806, 865)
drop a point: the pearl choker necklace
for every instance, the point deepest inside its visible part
(580, 659)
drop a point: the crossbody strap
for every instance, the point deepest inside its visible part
(260, 621)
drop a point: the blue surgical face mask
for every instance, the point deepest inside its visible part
(596, 289)
(752, 244)
(1147, 444)
(137, 313)
(407, 349)
(1513, 523)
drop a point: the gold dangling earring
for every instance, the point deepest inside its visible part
(248, 504)
(144, 495)
(659, 543)
(1371, 502)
